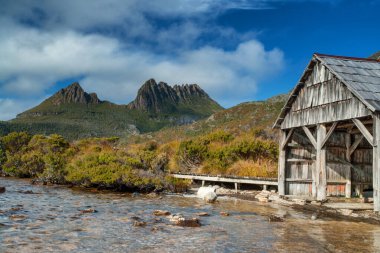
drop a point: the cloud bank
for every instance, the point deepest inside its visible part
(112, 47)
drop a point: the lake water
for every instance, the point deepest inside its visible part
(49, 220)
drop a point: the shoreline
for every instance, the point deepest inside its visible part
(316, 210)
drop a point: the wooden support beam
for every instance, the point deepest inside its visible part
(363, 130)
(320, 165)
(351, 125)
(310, 136)
(376, 163)
(329, 133)
(236, 188)
(287, 139)
(348, 192)
(282, 165)
(353, 147)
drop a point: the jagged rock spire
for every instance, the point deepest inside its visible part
(74, 93)
(161, 97)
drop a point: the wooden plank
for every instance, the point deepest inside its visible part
(329, 133)
(376, 163)
(321, 178)
(353, 147)
(363, 130)
(297, 160)
(310, 136)
(226, 179)
(282, 165)
(348, 191)
(287, 139)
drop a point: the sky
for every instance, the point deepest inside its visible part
(237, 51)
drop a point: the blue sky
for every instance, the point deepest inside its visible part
(237, 51)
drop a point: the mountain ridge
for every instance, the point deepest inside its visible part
(160, 97)
(74, 113)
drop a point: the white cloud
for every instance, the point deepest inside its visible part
(62, 45)
(9, 108)
(115, 73)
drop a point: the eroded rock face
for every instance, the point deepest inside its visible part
(161, 97)
(74, 94)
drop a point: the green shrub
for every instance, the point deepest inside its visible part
(15, 141)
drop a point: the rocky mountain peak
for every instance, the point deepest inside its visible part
(187, 91)
(159, 97)
(74, 93)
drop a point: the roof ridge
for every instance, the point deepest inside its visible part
(347, 57)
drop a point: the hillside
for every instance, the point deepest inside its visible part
(243, 118)
(375, 56)
(74, 113)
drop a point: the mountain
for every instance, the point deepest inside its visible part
(375, 56)
(74, 113)
(74, 94)
(257, 116)
(185, 99)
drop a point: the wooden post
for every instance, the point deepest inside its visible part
(203, 183)
(282, 164)
(236, 187)
(376, 162)
(265, 187)
(321, 178)
(348, 158)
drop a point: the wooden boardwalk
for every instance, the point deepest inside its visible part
(229, 179)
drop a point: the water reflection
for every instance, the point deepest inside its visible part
(50, 219)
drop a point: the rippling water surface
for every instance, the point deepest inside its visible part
(48, 219)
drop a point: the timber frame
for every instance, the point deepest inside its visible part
(330, 131)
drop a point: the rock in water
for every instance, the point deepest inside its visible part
(275, 218)
(2, 189)
(210, 197)
(139, 224)
(161, 213)
(203, 214)
(207, 193)
(89, 210)
(187, 222)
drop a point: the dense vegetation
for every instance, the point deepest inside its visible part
(96, 162)
(222, 153)
(240, 119)
(109, 164)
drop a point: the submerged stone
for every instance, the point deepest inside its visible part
(89, 210)
(275, 218)
(161, 213)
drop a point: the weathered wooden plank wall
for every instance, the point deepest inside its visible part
(299, 165)
(300, 162)
(324, 98)
(362, 170)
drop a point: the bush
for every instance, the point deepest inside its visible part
(15, 142)
(250, 168)
(192, 153)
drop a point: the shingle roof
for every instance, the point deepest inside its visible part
(360, 75)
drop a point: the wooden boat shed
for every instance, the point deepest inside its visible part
(330, 130)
